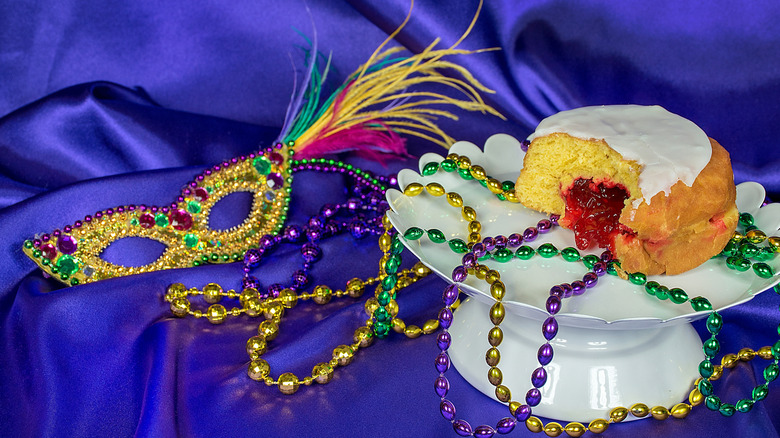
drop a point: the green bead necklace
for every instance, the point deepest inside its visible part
(741, 254)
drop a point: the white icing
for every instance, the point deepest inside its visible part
(669, 147)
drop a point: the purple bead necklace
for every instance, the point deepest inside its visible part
(520, 411)
(361, 216)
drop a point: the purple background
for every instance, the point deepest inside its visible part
(110, 103)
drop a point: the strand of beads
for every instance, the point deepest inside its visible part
(743, 251)
(273, 307)
(273, 310)
(250, 302)
(455, 200)
(598, 267)
(361, 218)
(521, 412)
(504, 191)
(738, 252)
(374, 182)
(343, 355)
(382, 307)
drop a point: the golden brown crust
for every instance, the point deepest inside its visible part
(678, 232)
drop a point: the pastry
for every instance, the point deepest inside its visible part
(645, 183)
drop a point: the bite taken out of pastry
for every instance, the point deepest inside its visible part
(645, 183)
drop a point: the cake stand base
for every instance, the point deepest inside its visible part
(592, 371)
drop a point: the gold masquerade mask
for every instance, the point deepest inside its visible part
(367, 113)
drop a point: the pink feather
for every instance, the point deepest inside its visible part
(363, 139)
(370, 143)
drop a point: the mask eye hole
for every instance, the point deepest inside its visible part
(230, 211)
(133, 252)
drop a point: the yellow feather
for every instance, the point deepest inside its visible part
(414, 116)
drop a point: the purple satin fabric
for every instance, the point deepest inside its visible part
(111, 103)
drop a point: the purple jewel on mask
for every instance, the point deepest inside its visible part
(274, 181)
(66, 244)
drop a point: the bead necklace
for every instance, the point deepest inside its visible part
(272, 307)
(382, 307)
(504, 191)
(521, 412)
(738, 252)
(598, 267)
(539, 376)
(343, 355)
(361, 218)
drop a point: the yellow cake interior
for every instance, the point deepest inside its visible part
(555, 161)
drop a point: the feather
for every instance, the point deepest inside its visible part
(379, 101)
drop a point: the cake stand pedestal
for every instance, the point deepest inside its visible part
(592, 371)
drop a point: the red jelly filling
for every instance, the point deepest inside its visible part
(592, 212)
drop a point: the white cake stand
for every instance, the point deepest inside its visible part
(615, 346)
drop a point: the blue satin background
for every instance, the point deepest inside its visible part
(110, 103)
